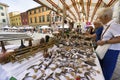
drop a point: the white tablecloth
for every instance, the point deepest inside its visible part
(18, 70)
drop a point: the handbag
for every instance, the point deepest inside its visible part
(102, 49)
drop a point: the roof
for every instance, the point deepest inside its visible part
(36, 8)
(4, 4)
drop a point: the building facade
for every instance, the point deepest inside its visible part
(56, 19)
(4, 18)
(43, 16)
(11, 14)
(15, 19)
(24, 18)
(39, 16)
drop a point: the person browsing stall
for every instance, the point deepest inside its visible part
(98, 31)
(110, 35)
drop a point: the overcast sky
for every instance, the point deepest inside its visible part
(20, 5)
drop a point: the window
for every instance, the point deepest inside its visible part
(30, 20)
(39, 10)
(4, 20)
(39, 18)
(30, 12)
(42, 9)
(35, 19)
(2, 14)
(34, 11)
(47, 9)
(43, 18)
(56, 19)
(53, 19)
(1, 8)
(48, 18)
(60, 18)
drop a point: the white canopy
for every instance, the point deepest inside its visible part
(77, 10)
(55, 32)
(65, 26)
(45, 27)
(6, 27)
(14, 27)
(21, 27)
(29, 27)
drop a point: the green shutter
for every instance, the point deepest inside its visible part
(1, 7)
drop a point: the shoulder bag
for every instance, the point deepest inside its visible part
(101, 50)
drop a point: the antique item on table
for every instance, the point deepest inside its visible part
(26, 75)
(53, 66)
(50, 76)
(71, 61)
(88, 76)
(90, 63)
(45, 54)
(78, 78)
(34, 76)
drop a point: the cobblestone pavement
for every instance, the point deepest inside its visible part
(116, 75)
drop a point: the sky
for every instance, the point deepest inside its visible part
(20, 5)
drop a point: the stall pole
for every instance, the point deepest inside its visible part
(22, 45)
(3, 47)
(64, 15)
(30, 42)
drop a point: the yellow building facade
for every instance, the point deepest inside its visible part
(15, 19)
(39, 16)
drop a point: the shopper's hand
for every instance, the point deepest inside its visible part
(87, 36)
(100, 42)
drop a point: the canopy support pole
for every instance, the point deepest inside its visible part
(64, 15)
(22, 45)
(3, 47)
(30, 42)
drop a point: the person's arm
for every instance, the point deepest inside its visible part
(111, 41)
(93, 35)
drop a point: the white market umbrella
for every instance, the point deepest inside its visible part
(6, 27)
(29, 27)
(65, 26)
(45, 27)
(55, 32)
(14, 27)
(21, 27)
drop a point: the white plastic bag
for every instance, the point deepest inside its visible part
(101, 50)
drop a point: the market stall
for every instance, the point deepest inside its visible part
(68, 59)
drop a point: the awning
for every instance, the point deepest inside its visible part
(8, 36)
(65, 26)
(45, 27)
(77, 10)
